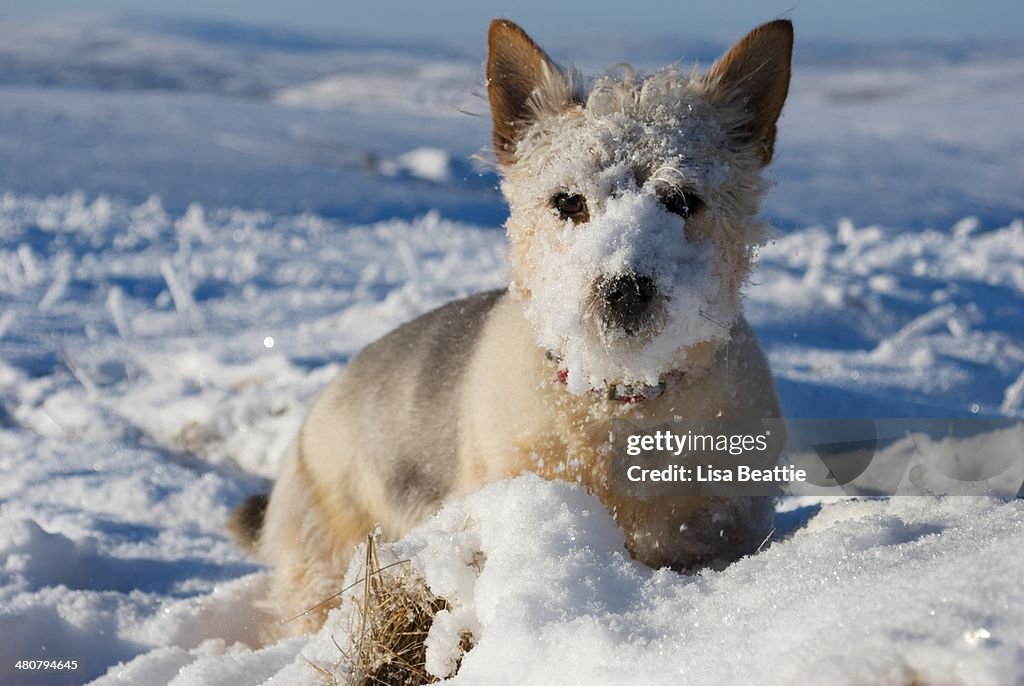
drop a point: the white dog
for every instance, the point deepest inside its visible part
(633, 222)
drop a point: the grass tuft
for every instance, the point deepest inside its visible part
(389, 626)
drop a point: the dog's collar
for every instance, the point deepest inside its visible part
(626, 393)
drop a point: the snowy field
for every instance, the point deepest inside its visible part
(200, 224)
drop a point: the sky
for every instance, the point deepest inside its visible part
(547, 19)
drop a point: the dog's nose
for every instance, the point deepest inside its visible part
(627, 301)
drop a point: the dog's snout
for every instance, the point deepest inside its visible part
(627, 301)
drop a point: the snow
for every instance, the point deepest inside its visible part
(414, 88)
(634, 234)
(183, 268)
(429, 164)
(894, 312)
(557, 600)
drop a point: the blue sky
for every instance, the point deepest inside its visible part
(548, 19)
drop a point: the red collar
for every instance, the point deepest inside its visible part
(628, 393)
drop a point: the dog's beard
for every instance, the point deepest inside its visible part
(634, 235)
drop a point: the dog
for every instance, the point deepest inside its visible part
(633, 223)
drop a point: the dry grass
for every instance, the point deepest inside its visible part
(389, 627)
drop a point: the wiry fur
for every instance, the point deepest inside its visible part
(641, 134)
(503, 382)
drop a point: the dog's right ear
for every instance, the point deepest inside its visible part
(521, 80)
(754, 76)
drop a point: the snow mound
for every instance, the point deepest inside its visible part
(35, 557)
(429, 164)
(865, 592)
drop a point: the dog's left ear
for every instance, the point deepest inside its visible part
(754, 76)
(520, 79)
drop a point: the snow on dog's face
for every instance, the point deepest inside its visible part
(633, 205)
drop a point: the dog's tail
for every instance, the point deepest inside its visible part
(247, 520)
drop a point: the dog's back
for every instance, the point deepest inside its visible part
(391, 413)
(378, 448)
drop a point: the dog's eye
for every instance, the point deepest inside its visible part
(571, 206)
(683, 203)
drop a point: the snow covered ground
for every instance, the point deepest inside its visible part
(199, 224)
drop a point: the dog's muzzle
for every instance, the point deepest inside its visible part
(628, 303)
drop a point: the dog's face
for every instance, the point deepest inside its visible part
(634, 201)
